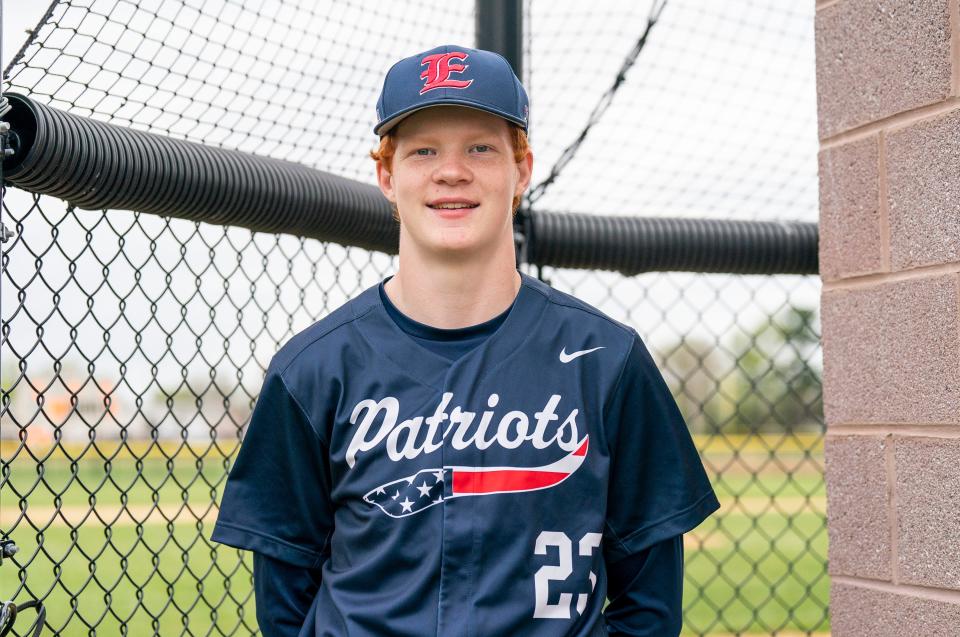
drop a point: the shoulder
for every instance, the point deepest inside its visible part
(571, 325)
(566, 312)
(308, 347)
(308, 368)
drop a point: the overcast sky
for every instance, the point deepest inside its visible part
(18, 18)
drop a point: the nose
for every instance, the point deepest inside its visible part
(452, 169)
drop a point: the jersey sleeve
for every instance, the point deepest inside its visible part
(646, 591)
(658, 487)
(277, 497)
(283, 595)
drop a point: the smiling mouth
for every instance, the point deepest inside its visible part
(452, 206)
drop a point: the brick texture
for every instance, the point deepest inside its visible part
(928, 511)
(849, 210)
(857, 506)
(923, 185)
(891, 352)
(876, 58)
(855, 612)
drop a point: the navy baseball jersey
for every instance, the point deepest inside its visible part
(479, 496)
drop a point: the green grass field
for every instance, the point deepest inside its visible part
(138, 560)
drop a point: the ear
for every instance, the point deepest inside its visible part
(525, 168)
(385, 181)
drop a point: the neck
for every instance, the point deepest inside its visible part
(454, 292)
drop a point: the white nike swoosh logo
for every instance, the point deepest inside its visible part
(566, 358)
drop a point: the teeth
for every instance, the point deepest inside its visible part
(453, 206)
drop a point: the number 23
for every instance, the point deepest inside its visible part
(561, 571)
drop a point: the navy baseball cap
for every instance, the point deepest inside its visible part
(451, 74)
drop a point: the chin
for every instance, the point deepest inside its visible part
(456, 247)
(456, 239)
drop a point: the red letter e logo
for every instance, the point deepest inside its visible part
(439, 68)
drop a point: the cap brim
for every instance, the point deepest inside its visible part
(384, 127)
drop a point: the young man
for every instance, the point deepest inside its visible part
(461, 449)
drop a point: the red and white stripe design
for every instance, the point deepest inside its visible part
(424, 489)
(487, 480)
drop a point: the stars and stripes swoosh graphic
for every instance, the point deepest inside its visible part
(416, 493)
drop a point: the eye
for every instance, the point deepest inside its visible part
(481, 148)
(423, 152)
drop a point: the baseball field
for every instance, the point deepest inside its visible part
(116, 538)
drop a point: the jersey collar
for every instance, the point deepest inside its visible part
(387, 340)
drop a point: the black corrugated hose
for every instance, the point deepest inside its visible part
(644, 244)
(94, 165)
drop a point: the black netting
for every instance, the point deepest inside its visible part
(134, 345)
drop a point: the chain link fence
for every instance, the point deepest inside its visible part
(133, 346)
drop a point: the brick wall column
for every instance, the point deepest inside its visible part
(888, 99)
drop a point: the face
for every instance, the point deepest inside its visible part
(453, 181)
